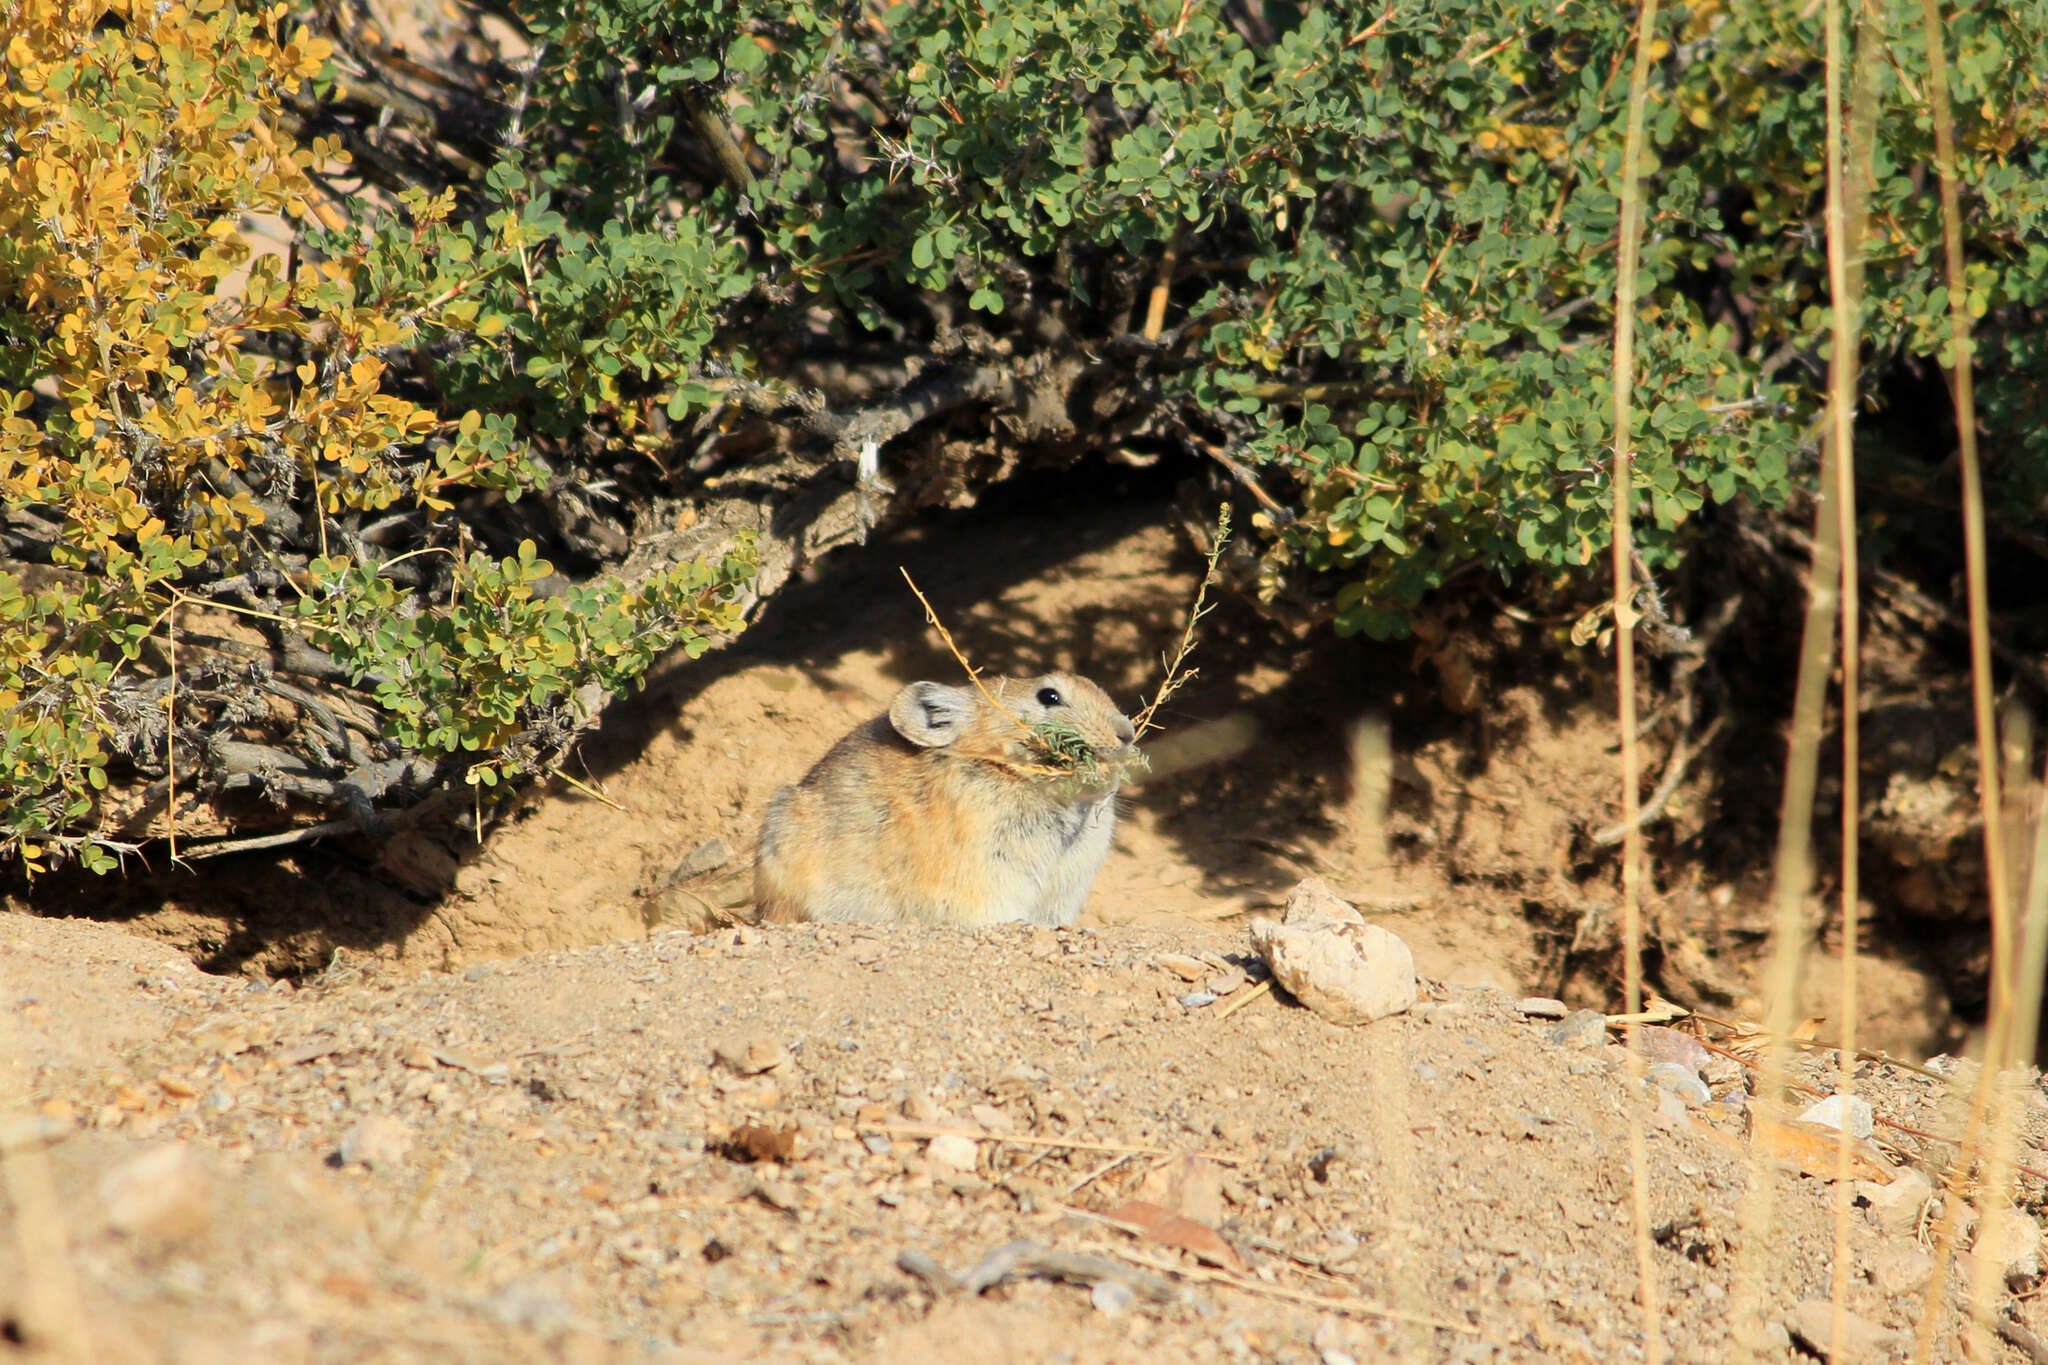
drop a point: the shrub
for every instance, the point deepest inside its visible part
(193, 425)
(689, 265)
(1388, 233)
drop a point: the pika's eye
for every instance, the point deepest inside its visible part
(1049, 696)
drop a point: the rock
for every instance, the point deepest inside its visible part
(1326, 956)
(1195, 1000)
(751, 1055)
(162, 1193)
(1185, 967)
(953, 1151)
(1541, 1007)
(991, 1119)
(1662, 1044)
(379, 1140)
(1813, 1323)
(1897, 1269)
(1111, 1297)
(1718, 1070)
(708, 856)
(1842, 1111)
(1584, 1029)
(1670, 1112)
(1680, 1081)
(1312, 900)
(2013, 1242)
(1224, 983)
(1896, 1207)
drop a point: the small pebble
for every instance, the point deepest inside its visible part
(1842, 1111)
(1185, 967)
(1899, 1267)
(1541, 1007)
(1680, 1081)
(379, 1141)
(162, 1193)
(1718, 1071)
(1111, 1297)
(1669, 1045)
(1896, 1207)
(1671, 1110)
(954, 1151)
(1580, 1029)
(1195, 1000)
(751, 1055)
(1813, 1322)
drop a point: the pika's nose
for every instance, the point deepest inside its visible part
(1124, 733)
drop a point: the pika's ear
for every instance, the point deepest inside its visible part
(931, 715)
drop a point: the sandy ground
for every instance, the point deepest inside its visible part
(719, 1146)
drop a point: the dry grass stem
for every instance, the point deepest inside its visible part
(555, 770)
(1631, 231)
(1848, 196)
(1262, 989)
(1990, 806)
(1175, 677)
(928, 1130)
(1068, 751)
(1792, 872)
(1334, 1303)
(973, 674)
(2015, 1034)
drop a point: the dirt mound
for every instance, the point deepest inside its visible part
(1450, 784)
(545, 1157)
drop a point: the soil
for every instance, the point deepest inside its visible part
(547, 1158)
(436, 1100)
(1448, 784)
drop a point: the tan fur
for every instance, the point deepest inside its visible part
(930, 813)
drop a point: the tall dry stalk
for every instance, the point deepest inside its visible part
(1990, 807)
(1792, 867)
(1627, 262)
(1848, 204)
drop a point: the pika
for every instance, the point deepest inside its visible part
(944, 811)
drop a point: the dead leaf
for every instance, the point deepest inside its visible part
(1816, 1150)
(1749, 1039)
(1190, 1186)
(1164, 1225)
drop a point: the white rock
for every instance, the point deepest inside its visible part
(1813, 1322)
(1313, 902)
(1680, 1081)
(2013, 1241)
(1326, 956)
(161, 1193)
(954, 1150)
(1842, 1111)
(1899, 1268)
(378, 1140)
(1896, 1207)
(1541, 1007)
